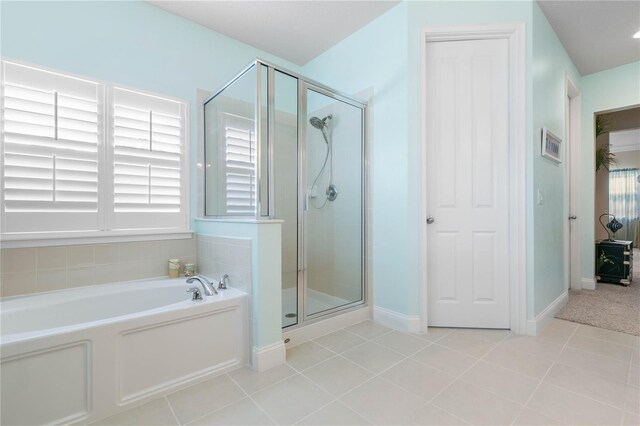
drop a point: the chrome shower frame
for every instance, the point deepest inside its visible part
(265, 208)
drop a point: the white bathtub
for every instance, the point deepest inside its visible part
(82, 354)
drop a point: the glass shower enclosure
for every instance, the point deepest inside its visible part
(280, 146)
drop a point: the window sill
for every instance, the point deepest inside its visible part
(46, 239)
(237, 220)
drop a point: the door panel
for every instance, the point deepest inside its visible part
(467, 183)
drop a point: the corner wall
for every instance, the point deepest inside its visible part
(550, 67)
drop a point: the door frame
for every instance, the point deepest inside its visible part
(572, 240)
(514, 33)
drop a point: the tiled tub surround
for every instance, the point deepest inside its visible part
(34, 270)
(217, 256)
(87, 353)
(368, 374)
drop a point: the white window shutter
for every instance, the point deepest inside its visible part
(51, 150)
(148, 152)
(240, 165)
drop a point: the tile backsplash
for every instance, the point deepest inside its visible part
(232, 256)
(34, 270)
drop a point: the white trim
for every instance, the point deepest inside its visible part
(515, 34)
(397, 321)
(268, 356)
(573, 258)
(588, 283)
(99, 237)
(535, 326)
(314, 330)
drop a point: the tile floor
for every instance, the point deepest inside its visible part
(368, 374)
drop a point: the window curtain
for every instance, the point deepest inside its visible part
(624, 200)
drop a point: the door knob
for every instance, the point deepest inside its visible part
(430, 220)
(573, 217)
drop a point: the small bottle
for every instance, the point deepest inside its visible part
(174, 268)
(189, 269)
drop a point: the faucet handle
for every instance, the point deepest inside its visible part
(222, 284)
(196, 293)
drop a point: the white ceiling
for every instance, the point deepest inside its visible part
(596, 34)
(297, 31)
(624, 140)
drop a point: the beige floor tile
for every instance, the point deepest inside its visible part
(557, 333)
(476, 405)
(634, 376)
(382, 402)
(153, 413)
(306, 355)
(340, 341)
(573, 409)
(611, 350)
(445, 359)
(435, 333)
(560, 323)
(533, 346)
(630, 419)
(617, 337)
(336, 414)
(594, 363)
(508, 384)
(404, 343)
(203, 398)
(243, 412)
(467, 344)
(373, 357)
(252, 381)
(530, 417)
(589, 384)
(292, 399)
(337, 375)
(521, 362)
(483, 333)
(635, 356)
(431, 415)
(368, 329)
(419, 379)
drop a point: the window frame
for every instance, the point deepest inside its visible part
(105, 207)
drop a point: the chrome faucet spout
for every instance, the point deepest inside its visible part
(207, 286)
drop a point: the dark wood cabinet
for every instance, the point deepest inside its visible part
(614, 261)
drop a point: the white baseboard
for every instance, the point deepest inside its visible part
(268, 356)
(536, 325)
(397, 321)
(329, 325)
(588, 283)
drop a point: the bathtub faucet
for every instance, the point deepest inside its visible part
(209, 289)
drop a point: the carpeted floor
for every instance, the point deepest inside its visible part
(610, 306)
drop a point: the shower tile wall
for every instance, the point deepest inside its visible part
(334, 232)
(35, 270)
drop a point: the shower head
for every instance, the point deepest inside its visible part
(320, 123)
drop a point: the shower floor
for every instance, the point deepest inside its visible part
(317, 301)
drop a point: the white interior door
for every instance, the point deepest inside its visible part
(467, 147)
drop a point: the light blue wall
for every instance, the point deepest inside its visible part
(126, 42)
(606, 90)
(376, 57)
(385, 56)
(551, 65)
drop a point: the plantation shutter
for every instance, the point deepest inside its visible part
(51, 145)
(240, 165)
(148, 161)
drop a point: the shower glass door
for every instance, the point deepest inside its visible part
(333, 214)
